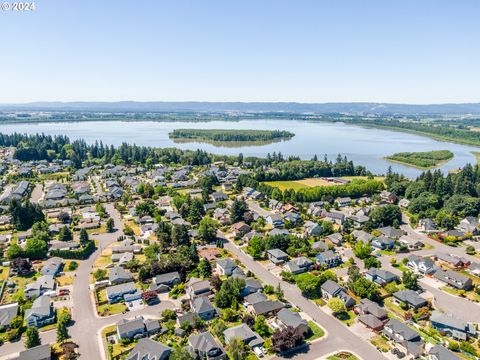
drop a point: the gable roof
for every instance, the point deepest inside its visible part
(202, 305)
(290, 318)
(148, 349)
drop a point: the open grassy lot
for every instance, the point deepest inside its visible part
(283, 185)
(313, 182)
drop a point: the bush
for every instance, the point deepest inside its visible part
(80, 254)
(268, 289)
(72, 266)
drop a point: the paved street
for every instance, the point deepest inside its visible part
(87, 325)
(339, 336)
(253, 205)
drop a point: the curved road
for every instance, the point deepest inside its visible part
(338, 337)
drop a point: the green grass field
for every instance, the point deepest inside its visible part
(312, 182)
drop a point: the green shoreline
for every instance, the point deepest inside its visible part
(443, 162)
(228, 144)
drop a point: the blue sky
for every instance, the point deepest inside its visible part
(406, 51)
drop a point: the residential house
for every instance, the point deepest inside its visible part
(254, 298)
(411, 298)
(311, 228)
(202, 306)
(218, 196)
(336, 239)
(298, 265)
(411, 243)
(247, 335)
(388, 197)
(404, 336)
(330, 289)
(116, 293)
(40, 352)
(39, 287)
(368, 307)
(381, 277)
(137, 327)
(454, 279)
(52, 266)
(251, 286)
(7, 314)
(286, 318)
(427, 226)
(278, 232)
(275, 220)
(266, 307)
(438, 352)
(451, 326)
(421, 266)
(118, 275)
(342, 202)
(335, 217)
(452, 260)
(41, 313)
(225, 266)
(197, 287)
(361, 235)
(292, 217)
(382, 243)
(203, 346)
(169, 279)
(240, 228)
(391, 232)
(474, 269)
(122, 258)
(469, 225)
(148, 349)
(319, 246)
(328, 259)
(277, 256)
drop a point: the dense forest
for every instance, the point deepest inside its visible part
(230, 134)
(444, 198)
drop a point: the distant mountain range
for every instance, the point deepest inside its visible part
(245, 107)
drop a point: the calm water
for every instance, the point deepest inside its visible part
(365, 146)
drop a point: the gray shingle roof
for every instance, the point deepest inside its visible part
(148, 349)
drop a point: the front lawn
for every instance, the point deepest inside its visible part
(380, 343)
(64, 280)
(111, 309)
(316, 331)
(348, 317)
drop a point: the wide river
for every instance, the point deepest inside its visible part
(365, 146)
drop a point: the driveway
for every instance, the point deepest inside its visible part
(37, 193)
(338, 337)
